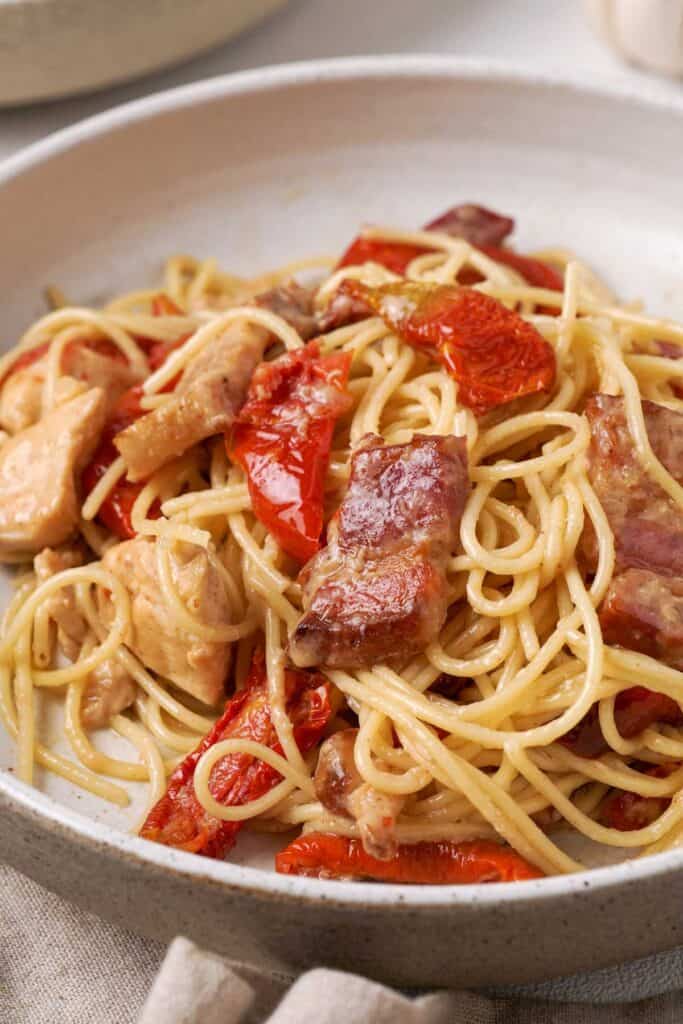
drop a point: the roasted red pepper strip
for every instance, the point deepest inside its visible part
(493, 353)
(534, 272)
(179, 820)
(115, 511)
(395, 256)
(627, 811)
(322, 855)
(158, 351)
(635, 709)
(103, 346)
(282, 439)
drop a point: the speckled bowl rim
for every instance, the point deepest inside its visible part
(30, 804)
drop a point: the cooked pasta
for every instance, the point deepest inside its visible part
(532, 710)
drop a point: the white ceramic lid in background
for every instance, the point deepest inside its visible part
(53, 48)
(648, 33)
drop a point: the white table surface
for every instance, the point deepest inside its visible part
(539, 34)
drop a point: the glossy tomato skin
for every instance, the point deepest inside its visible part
(494, 354)
(627, 811)
(282, 439)
(635, 709)
(115, 512)
(395, 256)
(178, 819)
(441, 862)
(534, 272)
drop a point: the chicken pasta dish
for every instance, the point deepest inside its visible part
(379, 553)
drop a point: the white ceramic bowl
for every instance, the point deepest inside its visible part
(277, 164)
(51, 48)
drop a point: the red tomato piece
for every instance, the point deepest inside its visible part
(534, 272)
(627, 811)
(493, 353)
(395, 256)
(442, 862)
(282, 438)
(179, 820)
(157, 351)
(635, 709)
(103, 346)
(115, 511)
(638, 708)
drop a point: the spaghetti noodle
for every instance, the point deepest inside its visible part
(472, 736)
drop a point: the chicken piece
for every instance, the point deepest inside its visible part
(647, 524)
(110, 689)
(62, 607)
(293, 303)
(341, 790)
(22, 392)
(164, 645)
(39, 468)
(378, 591)
(209, 394)
(21, 398)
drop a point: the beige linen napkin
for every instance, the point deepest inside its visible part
(59, 965)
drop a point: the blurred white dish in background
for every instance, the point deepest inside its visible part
(53, 48)
(647, 32)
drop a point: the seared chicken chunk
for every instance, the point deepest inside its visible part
(161, 643)
(378, 591)
(205, 401)
(22, 393)
(341, 790)
(39, 467)
(109, 688)
(62, 607)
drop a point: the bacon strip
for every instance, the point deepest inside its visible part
(378, 590)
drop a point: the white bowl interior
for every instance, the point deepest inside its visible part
(272, 166)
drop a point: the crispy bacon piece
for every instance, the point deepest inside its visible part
(378, 590)
(643, 608)
(442, 862)
(476, 224)
(179, 820)
(283, 438)
(635, 709)
(647, 525)
(627, 811)
(644, 611)
(493, 353)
